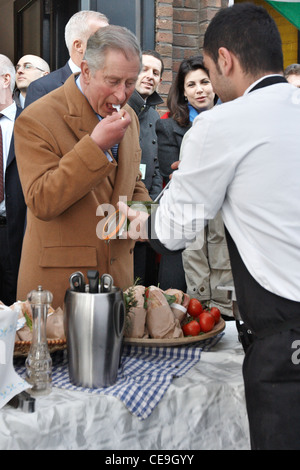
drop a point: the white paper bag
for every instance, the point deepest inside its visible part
(10, 382)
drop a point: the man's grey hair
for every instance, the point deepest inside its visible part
(107, 38)
(78, 26)
(7, 67)
(293, 69)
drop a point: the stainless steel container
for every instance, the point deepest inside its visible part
(94, 325)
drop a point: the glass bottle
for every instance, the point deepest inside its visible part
(39, 362)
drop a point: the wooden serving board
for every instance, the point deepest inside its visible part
(158, 342)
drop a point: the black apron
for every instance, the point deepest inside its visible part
(271, 367)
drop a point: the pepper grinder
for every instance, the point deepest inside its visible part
(39, 362)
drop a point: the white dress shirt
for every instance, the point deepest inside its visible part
(7, 125)
(244, 157)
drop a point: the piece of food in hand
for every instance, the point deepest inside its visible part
(135, 321)
(160, 319)
(191, 328)
(206, 321)
(195, 307)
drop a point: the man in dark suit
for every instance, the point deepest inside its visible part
(12, 205)
(143, 101)
(78, 29)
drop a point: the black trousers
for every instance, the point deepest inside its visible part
(271, 367)
(8, 270)
(145, 266)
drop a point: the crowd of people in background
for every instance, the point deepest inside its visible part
(196, 271)
(205, 265)
(75, 140)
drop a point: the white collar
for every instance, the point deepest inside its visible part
(73, 67)
(10, 111)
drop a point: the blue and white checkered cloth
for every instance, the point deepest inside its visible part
(144, 375)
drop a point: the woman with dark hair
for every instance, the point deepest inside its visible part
(205, 263)
(190, 94)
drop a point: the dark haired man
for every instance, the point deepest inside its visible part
(239, 158)
(144, 101)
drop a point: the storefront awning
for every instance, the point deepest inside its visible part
(289, 9)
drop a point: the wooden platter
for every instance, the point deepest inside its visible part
(158, 342)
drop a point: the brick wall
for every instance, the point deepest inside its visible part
(180, 28)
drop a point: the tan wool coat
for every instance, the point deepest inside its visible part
(65, 177)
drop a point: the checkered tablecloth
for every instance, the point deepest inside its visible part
(144, 374)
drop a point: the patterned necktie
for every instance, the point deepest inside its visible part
(1, 166)
(114, 151)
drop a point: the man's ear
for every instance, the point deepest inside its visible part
(78, 46)
(7, 80)
(85, 71)
(225, 60)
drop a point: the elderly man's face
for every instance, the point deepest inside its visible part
(113, 84)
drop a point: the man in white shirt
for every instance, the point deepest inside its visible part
(243, 157)
(77, 31)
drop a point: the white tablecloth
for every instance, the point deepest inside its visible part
(204, 409)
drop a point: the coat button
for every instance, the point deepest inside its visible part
(153, 141)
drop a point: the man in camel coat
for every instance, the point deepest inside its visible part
(69, 174)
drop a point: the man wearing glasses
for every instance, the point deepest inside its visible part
(28, 69)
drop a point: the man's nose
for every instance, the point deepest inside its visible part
(120, 93)
(150, 74)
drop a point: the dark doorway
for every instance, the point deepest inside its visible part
(39, 29)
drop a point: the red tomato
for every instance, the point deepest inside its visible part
(192, 328)
(207, 321)
(194, 308)
(215, 312)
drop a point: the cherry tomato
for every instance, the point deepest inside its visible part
(194, 308)
(192, 328)
(207, 321)
(215, 312)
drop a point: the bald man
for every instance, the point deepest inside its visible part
(29, 68)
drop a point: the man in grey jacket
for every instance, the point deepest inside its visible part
(143, 101)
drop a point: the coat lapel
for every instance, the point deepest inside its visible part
(81, 117)
(11, 153)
